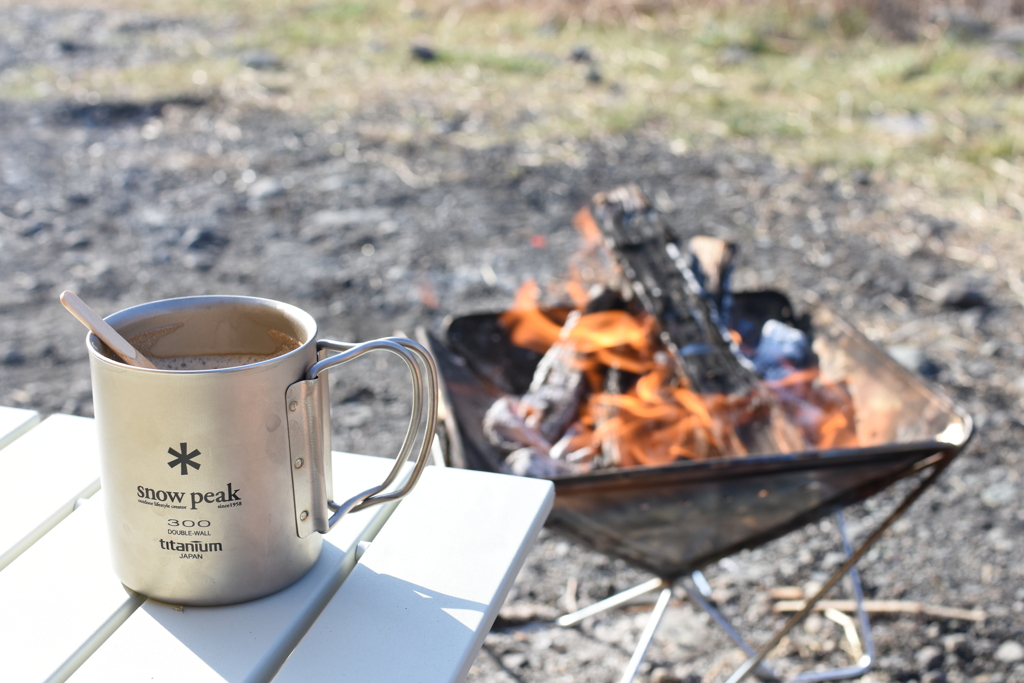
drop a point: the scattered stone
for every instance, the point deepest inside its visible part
(423, 53)
(199, 261)
(581, 54)
(961, 298)
(733, 54)
(154, 217)
(913, 359)
(955, 643)
(325, 222)
(593, 75)
(77, 239)
(265, 188)
(201, 239)
(999, 494)
(1010, 652)
(929, 657)
(1013, 34)
(963, 24)
(513, 660)
(12, 356)
(933, 676)
(261, 60)
(660, 674)
(903, 125)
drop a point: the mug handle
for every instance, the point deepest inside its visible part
(309, 433)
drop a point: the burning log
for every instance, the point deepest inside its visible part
(536, 425)
(558, 386)
(657, 274)
(648, 369)
(686, 302)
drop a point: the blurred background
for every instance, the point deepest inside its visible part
(388, 165)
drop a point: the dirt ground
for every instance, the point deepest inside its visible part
(127, 202)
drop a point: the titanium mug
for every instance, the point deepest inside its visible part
(218, 481)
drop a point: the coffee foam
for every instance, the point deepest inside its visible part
(211, 362)
(144, 342)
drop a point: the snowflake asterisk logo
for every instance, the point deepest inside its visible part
(185, 461)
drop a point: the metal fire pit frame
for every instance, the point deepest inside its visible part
(675, 519)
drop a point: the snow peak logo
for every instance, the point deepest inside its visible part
(175, 499)
(184, 458)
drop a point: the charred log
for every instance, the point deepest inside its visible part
(541, 417)
(684, 295)
(657, 273)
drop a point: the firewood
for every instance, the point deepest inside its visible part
(553, 400)
(506, 428)
(610, 455)
(713, 262)
(665, 286)
(651, 261)
(886, 607)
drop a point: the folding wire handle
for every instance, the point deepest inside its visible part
(309, 433)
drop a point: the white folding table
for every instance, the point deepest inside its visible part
(412, 605)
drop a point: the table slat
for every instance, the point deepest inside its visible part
(422, 598)
(44, 473)
(248, 641)
(14, 422)
(75, 600)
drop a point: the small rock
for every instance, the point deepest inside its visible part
(962, 24)
(77, 239)
(201, 239)
(201, 261)
(733, 54)
(999, 494)
(660, 674)
(324, 222)
(22, 208)
(265, 188)
(12, 356)
(513, 660)
(581, 53)
(154, 217)
(961, 298)
(1014, 34)
(1010, 652)
(423, 53)
(929, 657)
(593, 75)
(913, 359)
(68, 47)
(955, 643)
(261, 60)
(934, 676)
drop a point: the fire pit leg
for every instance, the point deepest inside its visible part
(938, 464)
(648, 635)
(698, 597)
(867, 660)
(625, 596)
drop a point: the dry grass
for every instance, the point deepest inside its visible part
(824, 85)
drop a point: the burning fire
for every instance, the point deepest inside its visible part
(658, 418)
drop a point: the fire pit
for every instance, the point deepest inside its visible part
(673, 519)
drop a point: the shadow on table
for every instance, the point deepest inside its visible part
(377, 627)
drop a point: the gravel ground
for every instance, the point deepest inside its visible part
(126, 202)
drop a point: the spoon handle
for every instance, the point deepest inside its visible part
(98, 326)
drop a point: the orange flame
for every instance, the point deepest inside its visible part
(657, 420)
(530, 328)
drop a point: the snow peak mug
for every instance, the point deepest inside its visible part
(216, 467)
